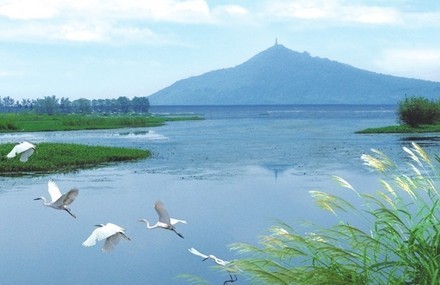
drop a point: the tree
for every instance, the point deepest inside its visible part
(7, 103)
(124, 104)
(82, 106)
(65, 105)
(140, 104)
(415, 111)
(48, 105)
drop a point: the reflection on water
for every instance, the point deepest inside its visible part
(150, 135)
(230, 176)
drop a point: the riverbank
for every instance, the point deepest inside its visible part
(61, 157)
(38, 123)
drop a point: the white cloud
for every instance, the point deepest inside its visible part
(372, 15)
(163, 10)
(335, 11)
(231, 10)
(95, 20)
(414, 63)
(28, 9)
(80, 33)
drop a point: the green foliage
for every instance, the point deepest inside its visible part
(398, 241)
(8, 126)
(60, 157)
(415, 111)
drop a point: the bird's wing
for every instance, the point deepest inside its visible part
(219, 261)
(91, 240)
(68, 197)
(164, 217)
(26, 154)
(196, 252)
(54, 191)
(114, 228)
(111, 241)
(175, 221)
(98, 234)
(19, 148)
(27, 145)
(13, 152)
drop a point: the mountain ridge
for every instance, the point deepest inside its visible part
(279, 75)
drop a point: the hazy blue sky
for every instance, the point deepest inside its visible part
(106, 49)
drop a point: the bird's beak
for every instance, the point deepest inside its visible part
(205, 259)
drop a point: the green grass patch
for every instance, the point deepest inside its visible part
(401, 129)
(61, 157)
(38, 123)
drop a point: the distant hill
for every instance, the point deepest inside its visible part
(279, 75)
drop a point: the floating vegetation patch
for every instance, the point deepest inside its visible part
(36, 123)
(62, 157)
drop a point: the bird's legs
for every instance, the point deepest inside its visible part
(180, 235)
(68, 211)
(126, 237)
(233, 279)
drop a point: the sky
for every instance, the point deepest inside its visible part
(102, 49)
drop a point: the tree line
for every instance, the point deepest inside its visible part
(52, 105)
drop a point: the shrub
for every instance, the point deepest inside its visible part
(398, 243)
(415, 111)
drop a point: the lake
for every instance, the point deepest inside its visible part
(230, 176)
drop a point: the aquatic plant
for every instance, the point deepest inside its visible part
(394, 240)
(62, 157)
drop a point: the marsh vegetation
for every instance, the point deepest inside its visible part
(62, 157)
(415, 115)
(34, 122)
(394, 240)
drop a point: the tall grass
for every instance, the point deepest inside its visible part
(62, 157)
(397, 240)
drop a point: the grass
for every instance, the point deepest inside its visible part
(398, 242)
(61, 157)
(37, 123)
(401, 129)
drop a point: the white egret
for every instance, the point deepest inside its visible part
(110, 232)
(218, 261)
(165, 222)
(25, 149)
(59, 201)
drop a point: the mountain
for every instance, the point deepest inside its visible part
(279, 75)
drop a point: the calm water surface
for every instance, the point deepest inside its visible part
(231, 176)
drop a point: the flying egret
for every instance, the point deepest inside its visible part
(218, 261)
(165, 222)
(26, 149)
(110, 232)
(59, 201)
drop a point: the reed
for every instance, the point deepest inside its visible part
(397, 239)
(61, 157)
